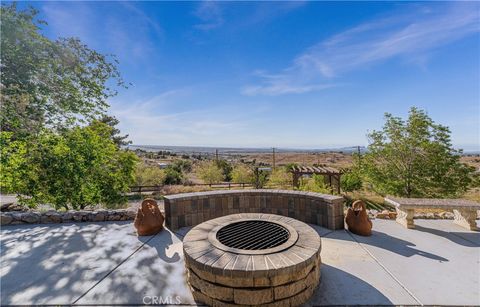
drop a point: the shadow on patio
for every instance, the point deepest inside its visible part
(339, 286)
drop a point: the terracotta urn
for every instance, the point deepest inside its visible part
(357, 219)
(149, 219)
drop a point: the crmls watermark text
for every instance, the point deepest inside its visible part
(161, 300)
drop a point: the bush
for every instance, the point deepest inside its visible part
(280, 178)
(242, 174)
(149, 175)
(226, 169)
(181, 166)
(315, 184)
(78, 168)
(175, 172)
(173, 176)
(261, 178)
(209, 172)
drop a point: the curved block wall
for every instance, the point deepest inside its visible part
(190, 209)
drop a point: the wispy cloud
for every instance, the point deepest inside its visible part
(157, 120)
(282, 84)
(267, 11)
(147, 20)
(126, 29)
(210, 14)
(410, 35)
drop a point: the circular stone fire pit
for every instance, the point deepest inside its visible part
(252, 259)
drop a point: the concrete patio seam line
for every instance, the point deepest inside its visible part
(385, 269)
(116, 267)
(325, 235)
(181, 236)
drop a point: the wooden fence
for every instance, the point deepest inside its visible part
(223, 185)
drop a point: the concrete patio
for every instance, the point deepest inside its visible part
(105, 263)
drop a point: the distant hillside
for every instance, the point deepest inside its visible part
(240, 150)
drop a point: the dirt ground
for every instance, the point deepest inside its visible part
(333, 159)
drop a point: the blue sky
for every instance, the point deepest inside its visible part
(283, 74)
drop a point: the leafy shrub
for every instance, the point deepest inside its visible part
(149, 175)
(242, 174)
(175, 172)
(226, 169)
(209, 172)
(173, 176)
(315, 184)
(280, 178)
(261, 178)
(74, 169)
(181, 166)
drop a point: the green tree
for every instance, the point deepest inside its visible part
(115, 136)
(173, 176)
(261, 178)
(182, 166)
(49, 83)
(175, 173)
(351, 180)
(242, 174)
(74, 169)
(149, 175)
(209, 172)
(12, 162)
(415, 158)
(226, 169)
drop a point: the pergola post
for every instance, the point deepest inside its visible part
(295, 179)
(338, 183)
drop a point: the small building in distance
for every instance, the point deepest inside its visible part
(162, 165)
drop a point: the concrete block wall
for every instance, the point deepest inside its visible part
(190, 209)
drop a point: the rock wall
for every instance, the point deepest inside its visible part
(391, 215)
(190, 209)
(35, 217)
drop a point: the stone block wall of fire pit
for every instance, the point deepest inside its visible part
(191, 209)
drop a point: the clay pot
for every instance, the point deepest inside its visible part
(357, 219)
(149, 219)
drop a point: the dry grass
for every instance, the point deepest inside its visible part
(472, 161)
(473, 194)
(334, 159)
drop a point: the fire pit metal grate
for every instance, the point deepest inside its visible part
(253, 235)
(252, 259)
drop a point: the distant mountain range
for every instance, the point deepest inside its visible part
(244, 150)
(239, 150)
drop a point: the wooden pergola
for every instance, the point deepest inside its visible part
(332, 175)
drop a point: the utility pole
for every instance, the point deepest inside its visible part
(273, 157)
(358, 152)
(216, 155)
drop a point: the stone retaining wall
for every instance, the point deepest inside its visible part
(190, 209)
(34, 217)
